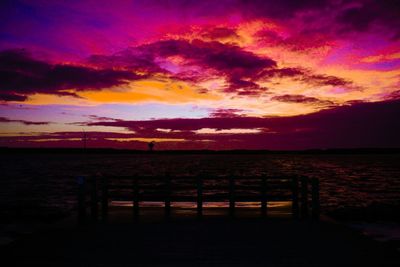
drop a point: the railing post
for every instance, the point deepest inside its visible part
(295, 198)
(167, 196)
(81, 200)
(264, 196)
(200, 195)
(94, 208)
(304, 197)
(135, 192)
(231, 196)
(315, 198)
(104, 199)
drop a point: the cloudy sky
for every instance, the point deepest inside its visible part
(189, 74)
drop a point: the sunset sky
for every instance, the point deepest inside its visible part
(191, 74)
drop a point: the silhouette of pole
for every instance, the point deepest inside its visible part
(151, 146)
(84, 140)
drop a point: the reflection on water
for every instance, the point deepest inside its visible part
(192, 205)
(149, 210)
(47, 183)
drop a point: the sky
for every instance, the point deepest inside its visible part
(228, 74)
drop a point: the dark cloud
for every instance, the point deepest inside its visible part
(245, 88)
(301, 99)
(100, 118)
(185, 124)
(4, 119)
(394, 95)
(227, 59)
(218, 33)
(22, 75)
(320, 79)
(225, 113)
(282, 72)
(238, 66)
(131, 59)
(305, 75)
(345, 16)
(368, 13)
(341, 16)
(251, 8)
(299, 41)
(344, 126)
(192, 76)
(12, 97)
(341, 127)
(281, 9)
(212, 59)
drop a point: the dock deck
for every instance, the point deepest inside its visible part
(99, 191)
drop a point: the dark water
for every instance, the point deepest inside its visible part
(42, 185)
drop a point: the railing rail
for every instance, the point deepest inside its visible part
(197, 189)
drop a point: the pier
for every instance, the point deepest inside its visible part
(97, 192)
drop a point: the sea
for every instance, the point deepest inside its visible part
(352, 186)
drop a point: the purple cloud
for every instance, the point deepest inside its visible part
(304, 75)
(22, 75)
(301, 99)
(243, 87)
(130, 59)
(12, 97)
(225, 113)
(394, 95)
(227, 59)
(368, 13)
(4, 119)
(328, 128)
(100, 118)
(341, 127)
(219, 33)
(340, 16)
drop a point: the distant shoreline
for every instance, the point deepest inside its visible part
(7, 150)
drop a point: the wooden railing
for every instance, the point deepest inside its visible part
(200, 189)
